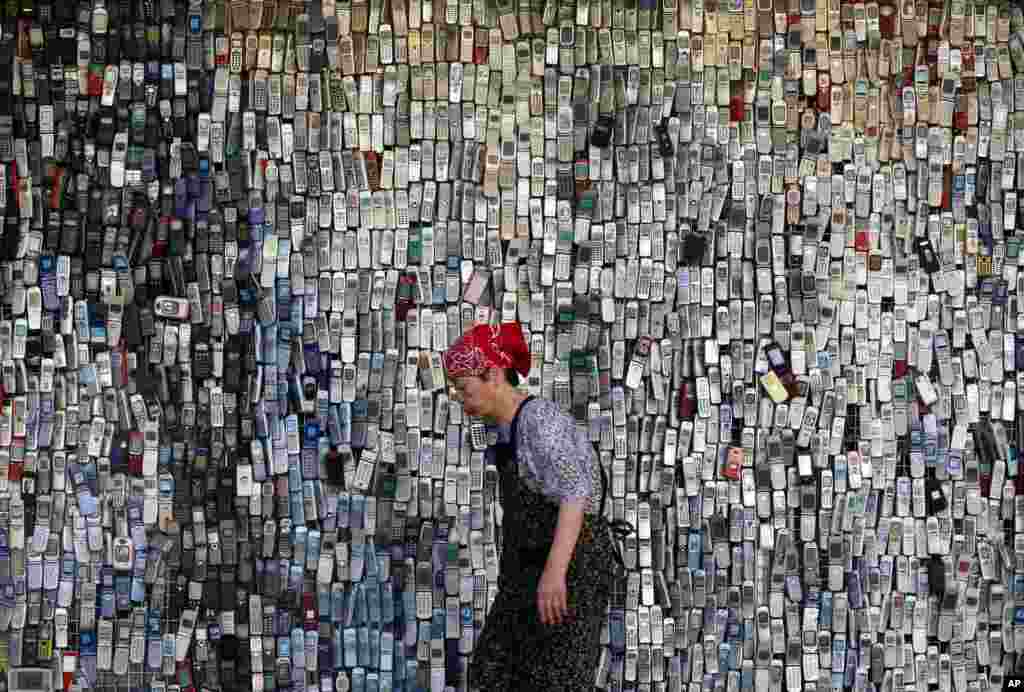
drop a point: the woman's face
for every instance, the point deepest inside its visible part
(476, 392)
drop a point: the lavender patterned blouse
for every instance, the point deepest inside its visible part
(555, 457)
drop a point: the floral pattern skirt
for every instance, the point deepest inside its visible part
(516, 652)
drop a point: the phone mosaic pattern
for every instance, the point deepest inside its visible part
(766, 254)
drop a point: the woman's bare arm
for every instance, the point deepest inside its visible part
(552, 592)
(567, 532)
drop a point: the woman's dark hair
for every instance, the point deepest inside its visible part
(512, 377)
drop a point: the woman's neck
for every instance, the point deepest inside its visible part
(507, 405)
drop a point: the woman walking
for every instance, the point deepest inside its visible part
(557, 557)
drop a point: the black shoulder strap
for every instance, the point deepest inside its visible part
(514, 428)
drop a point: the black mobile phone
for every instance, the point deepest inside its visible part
(926, 255)
(602, 133)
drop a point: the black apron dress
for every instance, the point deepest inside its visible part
(516, 652)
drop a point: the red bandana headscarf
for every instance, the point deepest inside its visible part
(488, 346)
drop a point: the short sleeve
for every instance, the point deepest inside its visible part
(558, 456)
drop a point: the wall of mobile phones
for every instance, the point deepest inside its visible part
(766, 254)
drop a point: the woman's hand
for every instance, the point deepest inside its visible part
(553, 596)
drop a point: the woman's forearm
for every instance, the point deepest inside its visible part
(567, 531)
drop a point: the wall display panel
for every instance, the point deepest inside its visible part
(766, 253)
